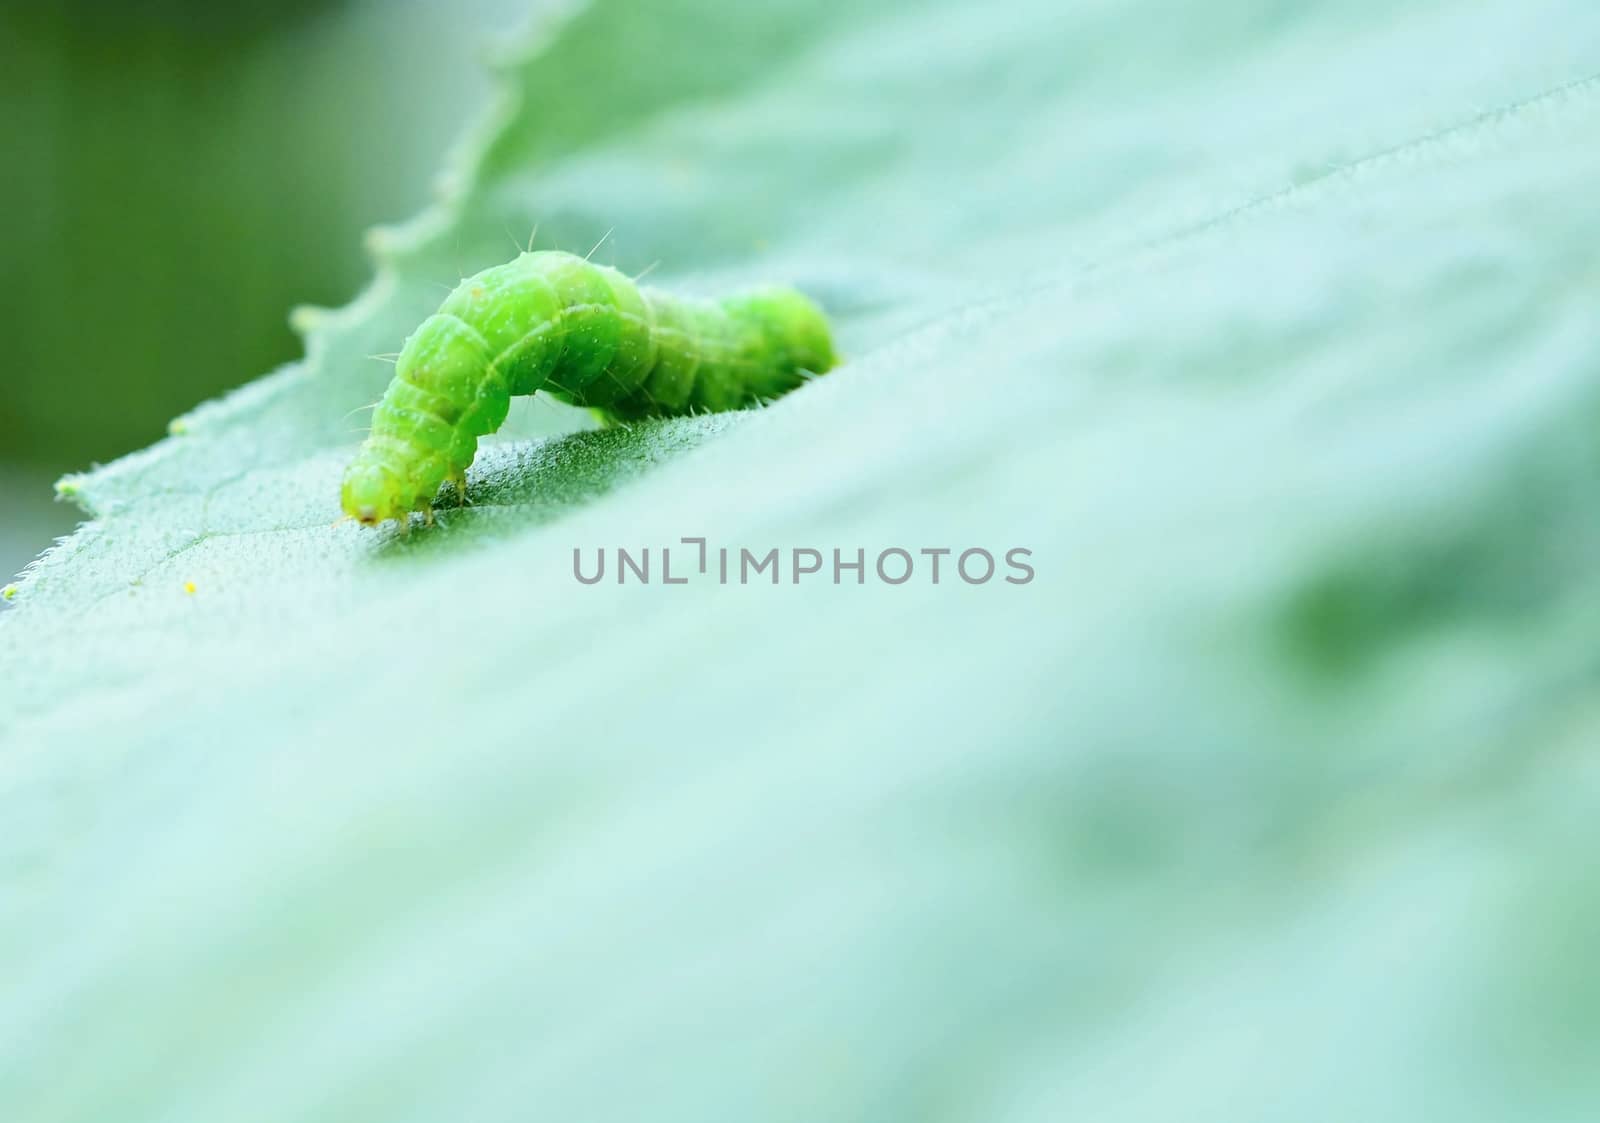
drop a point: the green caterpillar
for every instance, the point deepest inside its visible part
(588, 335)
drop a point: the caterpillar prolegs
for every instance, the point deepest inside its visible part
(586, 334)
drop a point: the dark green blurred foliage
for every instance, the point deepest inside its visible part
(165, 209)
(109, 21)
(174, 177)
(177, 175)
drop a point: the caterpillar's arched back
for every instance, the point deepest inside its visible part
(588, 335)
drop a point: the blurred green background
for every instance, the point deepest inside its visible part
(261, 139)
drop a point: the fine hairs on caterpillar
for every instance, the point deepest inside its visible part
(584, 333)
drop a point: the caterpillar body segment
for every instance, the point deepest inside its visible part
(584, 333)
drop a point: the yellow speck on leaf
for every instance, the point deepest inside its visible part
(8, 592)
(188, 587)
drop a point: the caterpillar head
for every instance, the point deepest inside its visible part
(370, 494)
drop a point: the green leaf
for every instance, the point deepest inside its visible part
(1269, 330)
